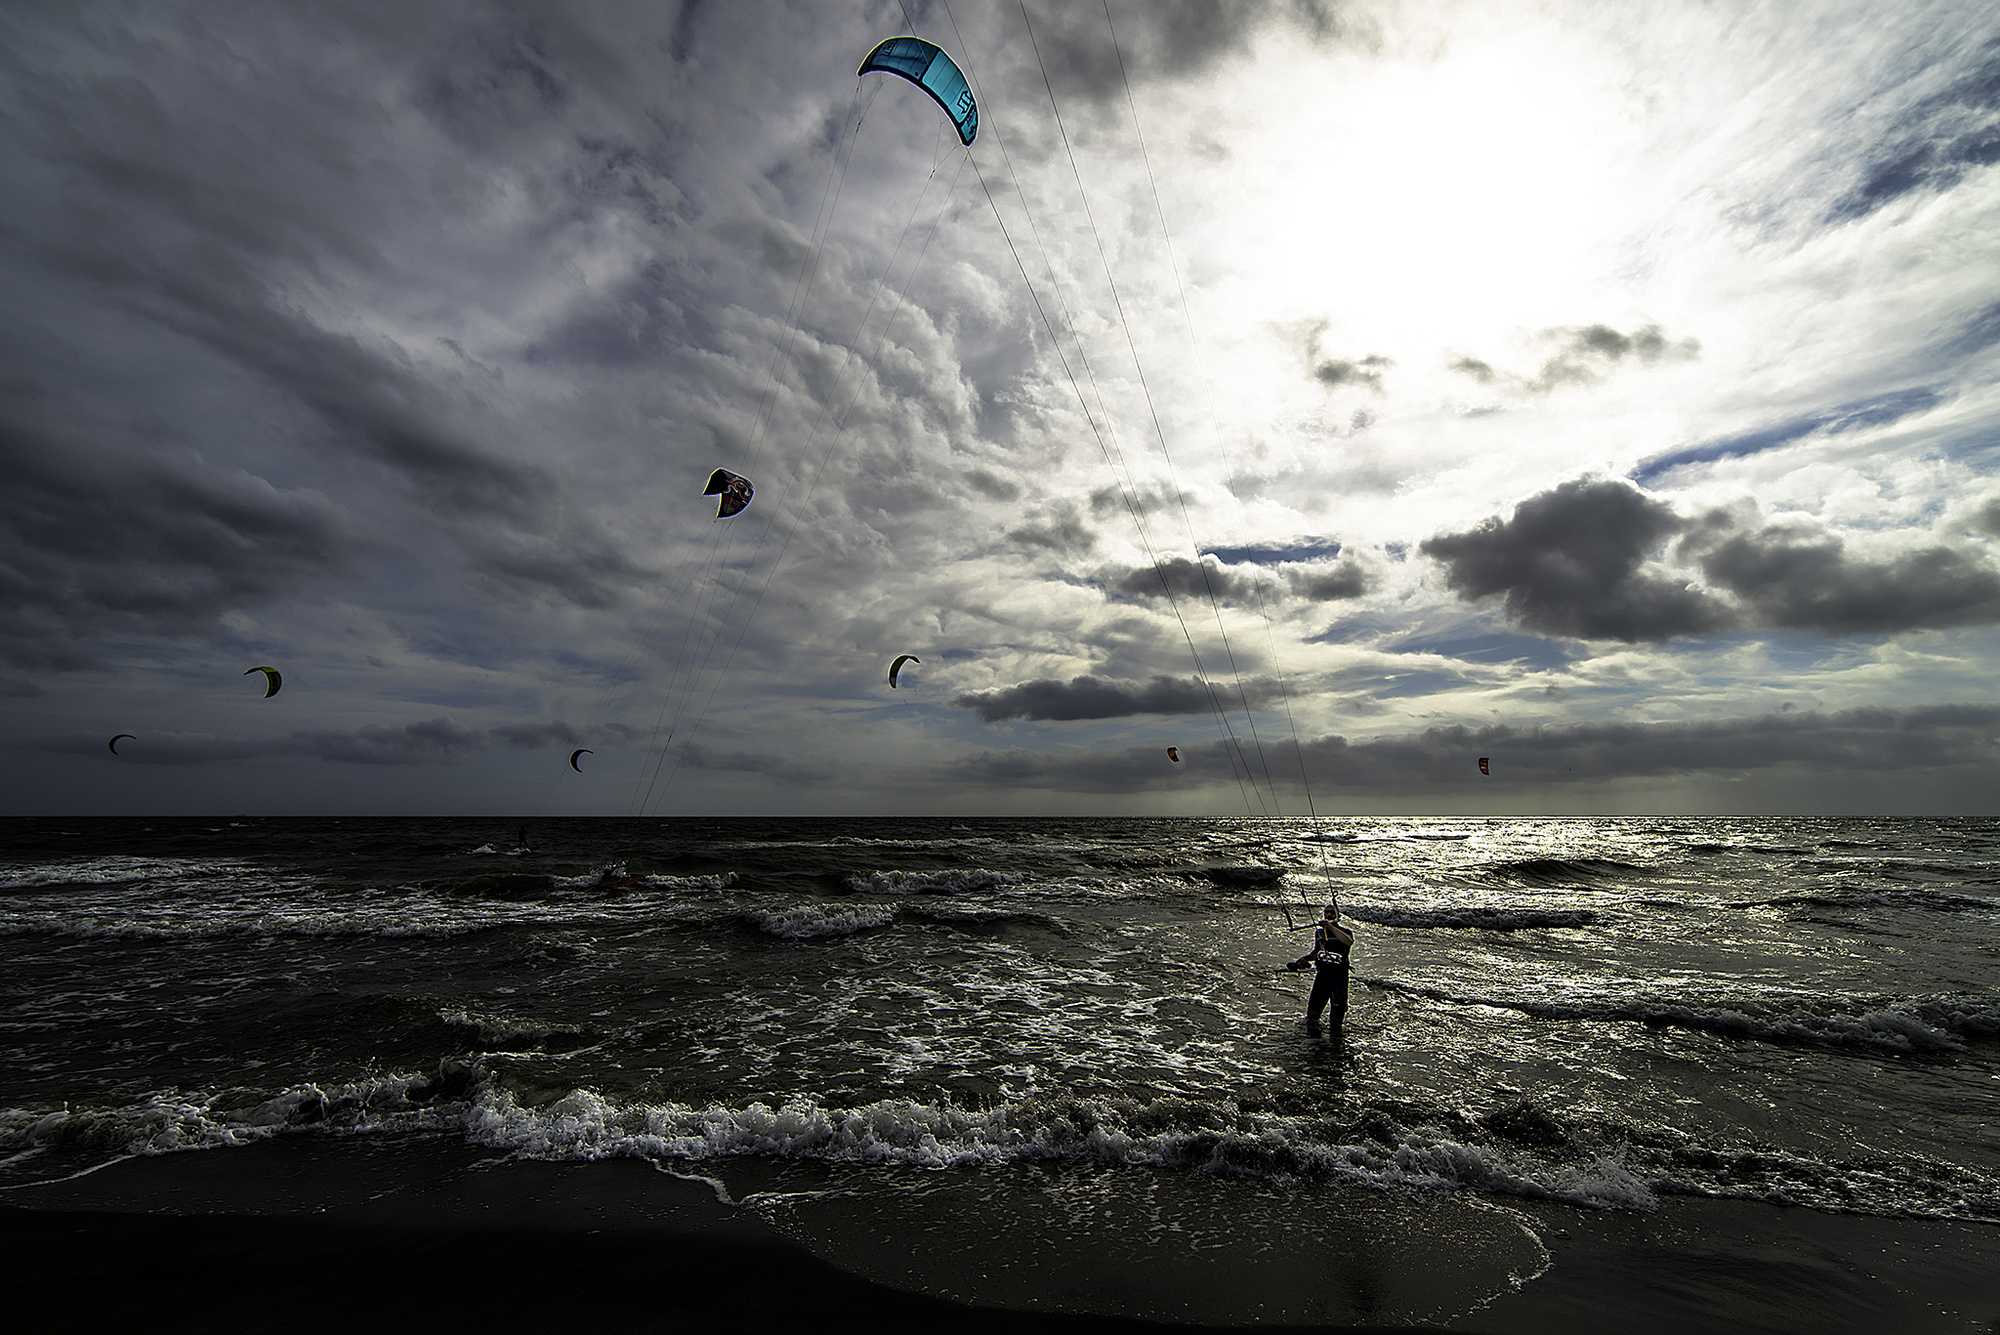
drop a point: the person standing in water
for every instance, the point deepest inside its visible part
(1332, 945)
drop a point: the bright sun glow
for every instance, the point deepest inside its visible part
(1418, 204)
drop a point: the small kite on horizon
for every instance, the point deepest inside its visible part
(272, 681)
(580, 751)
(113, 743)
(897, 666)
(1174, 754)
(1482, 766)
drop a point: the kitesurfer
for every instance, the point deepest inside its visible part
(1332, 944)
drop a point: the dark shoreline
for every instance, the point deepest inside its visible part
(427, 1231)
(98, 1270)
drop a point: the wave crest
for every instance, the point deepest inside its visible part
(813, 920)
(952, 881)
(1475, 915)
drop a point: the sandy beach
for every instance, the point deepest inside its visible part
(295, 1227)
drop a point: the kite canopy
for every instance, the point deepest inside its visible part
(120, 737)
(1174, 754)
(735, 492)
(897, 666)
(930, 69)
(1482, 766)
(272, 681)
(580, 751)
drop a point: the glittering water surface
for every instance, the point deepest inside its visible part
(1595, 1011)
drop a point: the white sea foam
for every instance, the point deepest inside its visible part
(1167, 1132)
(116, 870)
(812, 920)
(651, 881)
(584, 1125)
(1473, 915)
(171, 1121)
(498, 1032)
(1937, 1025)
(951, 881)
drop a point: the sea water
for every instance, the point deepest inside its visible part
(1055, 1017)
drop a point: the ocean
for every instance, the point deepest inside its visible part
(1676, 1073)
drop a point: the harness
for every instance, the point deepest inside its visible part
(1332, 955)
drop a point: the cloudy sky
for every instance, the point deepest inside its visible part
(1337, 392)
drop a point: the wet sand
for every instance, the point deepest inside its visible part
(311, 1230)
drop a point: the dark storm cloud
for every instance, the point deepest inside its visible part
(1335, 372)
(380, 744)
(1182, 578)
(1569, 562)
(1880, 410)
(1315, 581)
(93, 542)
(1931, 737)
(784, 769)
(1329, 583)
(992, 486)
(369, 398)
(1123, 500)
(432, 740)
(1091, 697)
(1309, 337)
(174, 215)
(1573, 561)
(1583, 355)
(1935, 737)
(583, 568)
(1163, 39)
(534, 736)
(224, 211)
(1935, 142)
(1803, 580)
(1060, 529)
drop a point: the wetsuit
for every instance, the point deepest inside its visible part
(1329, 976)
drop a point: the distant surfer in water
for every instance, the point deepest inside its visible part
(1332, 944)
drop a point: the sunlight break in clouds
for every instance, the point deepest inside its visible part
(1544, 371)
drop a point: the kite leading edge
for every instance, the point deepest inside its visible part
(929, 68)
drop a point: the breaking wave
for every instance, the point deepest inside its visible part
(502, 1034)
(1937, 1025)
(1516, 1150)
(1474, 915)
(117, 870)
(1934, 901)
(813, 920)
(1564, 871)
(930, 882)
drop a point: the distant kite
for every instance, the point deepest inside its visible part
(113, 743)
(897, 666)
(735, 492)
(1174, 754)
(272, 680)
(580, 751)
(1482, 766)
